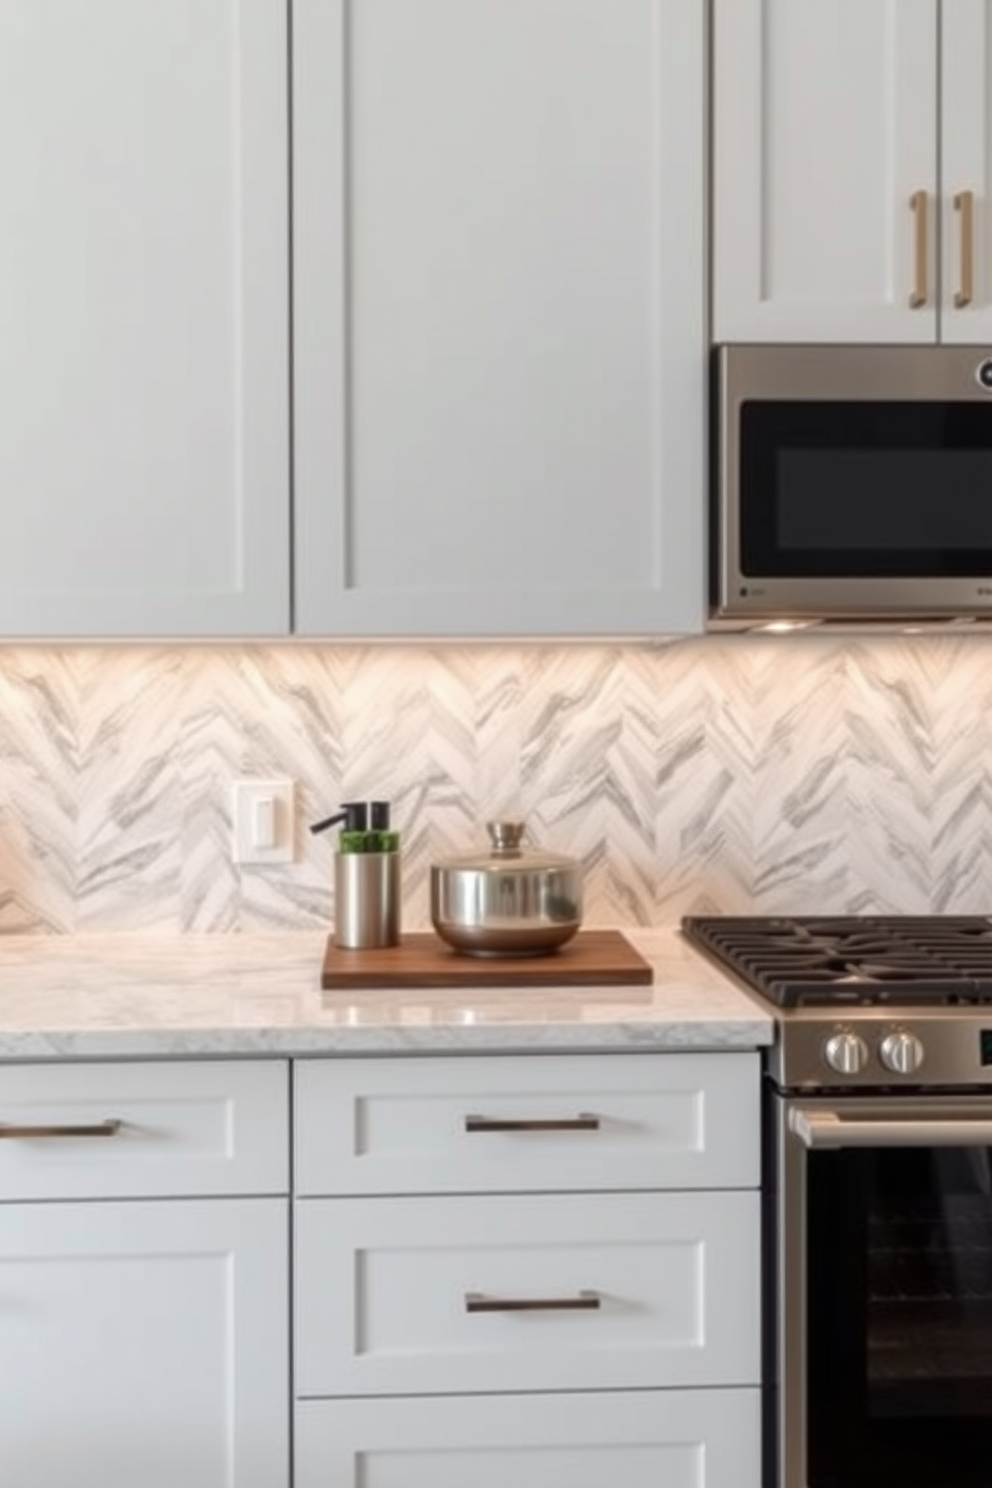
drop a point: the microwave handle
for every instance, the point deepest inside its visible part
(830, 1129)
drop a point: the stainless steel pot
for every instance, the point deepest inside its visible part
(509, 901)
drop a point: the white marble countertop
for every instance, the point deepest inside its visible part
(127, 996)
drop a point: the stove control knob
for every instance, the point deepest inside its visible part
(901, 1052)
(846, 1053)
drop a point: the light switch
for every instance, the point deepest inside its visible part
(264, 825)
(263, 817)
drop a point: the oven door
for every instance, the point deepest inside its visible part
(883, 1328)
(854, 480)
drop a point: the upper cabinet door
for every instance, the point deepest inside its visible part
(498, 296)
(144, 451)
(825, 170)
(966, 170)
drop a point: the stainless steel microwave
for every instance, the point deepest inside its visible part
(851, 484)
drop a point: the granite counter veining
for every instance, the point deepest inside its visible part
(114, 996)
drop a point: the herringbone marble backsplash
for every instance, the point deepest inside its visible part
(792, 775)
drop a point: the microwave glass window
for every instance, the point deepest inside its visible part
(863, 499)
(866, 489)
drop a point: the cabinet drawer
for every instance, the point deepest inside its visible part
(140, 1130)
(489, 1124)
(678, 1438)
(398, 1296)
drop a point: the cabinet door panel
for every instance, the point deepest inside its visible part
(824, 127)
(144, 461)
(144, 1343)
(500, 356)
(966, 166)
(675, 1438)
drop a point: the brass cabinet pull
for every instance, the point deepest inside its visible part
(964, 202)
(582, 1122)
(97, 1129)
(919, 204)
(581, 1302)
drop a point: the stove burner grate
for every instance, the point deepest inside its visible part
(894, 960)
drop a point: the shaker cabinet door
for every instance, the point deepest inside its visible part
(144, 1344)
(498, 292)
(825, 180)
(966, 171)
(144, 449)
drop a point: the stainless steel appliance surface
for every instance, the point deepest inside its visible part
(509, 901)
(878, 1180)
(850, 486)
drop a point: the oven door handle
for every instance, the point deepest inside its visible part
(819, 1129)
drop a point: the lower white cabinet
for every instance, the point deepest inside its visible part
(560, 1287)
(644, 1439)
(542, 1272)
(144, 1343)
(144, 1275)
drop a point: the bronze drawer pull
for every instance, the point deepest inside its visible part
(108, 1128)
(582, 1302)
(919, 206)
(582, 1122)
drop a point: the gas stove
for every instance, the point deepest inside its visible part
(888, 1001)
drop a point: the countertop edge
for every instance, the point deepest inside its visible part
(123, 1043)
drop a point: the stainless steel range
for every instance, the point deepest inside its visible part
(878, 1172)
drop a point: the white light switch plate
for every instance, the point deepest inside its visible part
(263, 813)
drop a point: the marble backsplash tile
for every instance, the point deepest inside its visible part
(735, 775)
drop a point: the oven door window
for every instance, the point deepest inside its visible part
(899, 1318)
(833, 489)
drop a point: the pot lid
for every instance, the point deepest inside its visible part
(507, 854)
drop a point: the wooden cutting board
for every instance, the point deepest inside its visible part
(591, 958)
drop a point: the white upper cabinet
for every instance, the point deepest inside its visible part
(144, 374)
(499, 293)
(966, 171)
(852, 160)
(825, 184)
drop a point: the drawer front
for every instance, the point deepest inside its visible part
(143, 1130)
(397, 1296)
(492, 1124)
(675, 1438)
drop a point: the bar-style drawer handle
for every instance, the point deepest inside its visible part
(583, 1122)
(581, 1302)
(108, 1128)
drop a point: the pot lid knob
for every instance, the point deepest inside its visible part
(506, 836)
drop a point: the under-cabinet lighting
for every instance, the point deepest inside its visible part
(783, 627)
